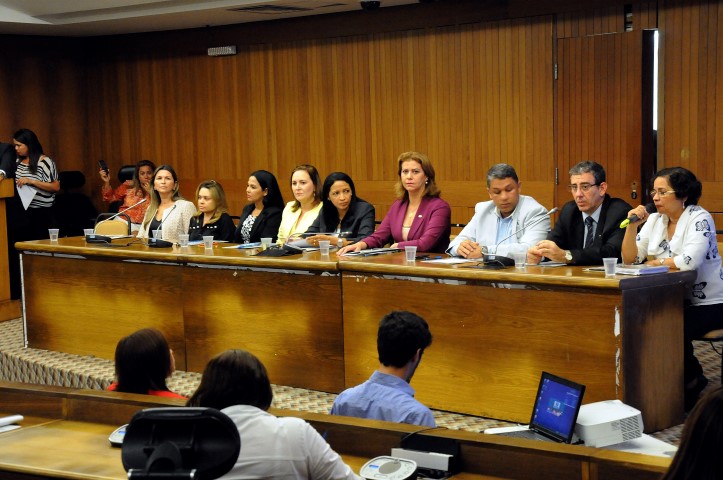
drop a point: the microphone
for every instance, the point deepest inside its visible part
(502, 261)
(157, 242)
(650, 208)
(95, 238)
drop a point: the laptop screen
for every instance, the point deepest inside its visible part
(556, 407)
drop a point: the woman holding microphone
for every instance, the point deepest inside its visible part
(681, 235)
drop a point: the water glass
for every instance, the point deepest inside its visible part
(53, 232)
(183, 240)
(208, 242)
(266, 243)
(610, 264)
(411, 253)
(324, 247)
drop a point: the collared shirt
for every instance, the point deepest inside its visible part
(282, 448)
(383, 397)
(504, 228)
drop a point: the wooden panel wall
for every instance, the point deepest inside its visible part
(611, 19)
(468, 96)
(691, 111)
(41, 89)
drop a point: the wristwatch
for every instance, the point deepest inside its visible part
(568, 256)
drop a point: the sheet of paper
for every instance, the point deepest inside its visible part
(26, 194)
(451, 260)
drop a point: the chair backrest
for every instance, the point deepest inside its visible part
(126, 173)
(120, 225)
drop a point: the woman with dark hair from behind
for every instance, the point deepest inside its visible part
(343, 214)
(212, 218)
(699, 454)
(131, 192)
(143, 361)
(262, 216)
(236, 383)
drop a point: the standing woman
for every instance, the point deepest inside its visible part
(36, 171)
(262, 216)
(343, 213)
(681, 235)
(131, 192)
(168, 211)
(300, 213)
(212, 217)
(418, 217)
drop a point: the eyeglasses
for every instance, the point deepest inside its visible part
(585, 187)
(661, 193)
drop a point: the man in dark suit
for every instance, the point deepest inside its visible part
(14, 211)
(7, 160)
(588, 229)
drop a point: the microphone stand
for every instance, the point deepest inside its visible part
(95, 238)
(499, 261)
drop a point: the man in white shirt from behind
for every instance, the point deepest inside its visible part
(507, 222)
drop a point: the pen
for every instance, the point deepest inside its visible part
(427, 257)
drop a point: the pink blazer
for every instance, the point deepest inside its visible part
(430, 228)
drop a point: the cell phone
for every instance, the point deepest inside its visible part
(103, 166)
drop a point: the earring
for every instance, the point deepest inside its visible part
(426, 182)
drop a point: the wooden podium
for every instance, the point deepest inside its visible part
(9, 309)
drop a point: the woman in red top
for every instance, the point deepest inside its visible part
(143, 361)
(131, 192)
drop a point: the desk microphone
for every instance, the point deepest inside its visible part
(650, 208)
(95, 238)
(157, 242)
(499, 260)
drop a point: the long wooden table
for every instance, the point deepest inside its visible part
(494, 330)
(82, 298)
(65, 431)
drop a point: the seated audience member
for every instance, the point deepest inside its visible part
(387, 395)
(493, 226)
(300, 213)
(212, 218)
(168, 214)
(698, 456)
(236, 383)
(418, 217)
(143, 361)
(343, 214)
(131, 192)
(262, 216)
(681, 235)
(588, 228)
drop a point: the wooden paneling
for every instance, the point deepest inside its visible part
(608, 19)
(468, 96)
(599, 108)
(691, 74)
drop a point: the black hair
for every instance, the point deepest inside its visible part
(142, 362)
(400, 335)
(684, 182)
(35, 149)
(329, 211)
(234, 377)
(267, 181)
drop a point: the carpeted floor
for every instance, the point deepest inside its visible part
(19, 364)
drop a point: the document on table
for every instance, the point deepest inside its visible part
(451, 260)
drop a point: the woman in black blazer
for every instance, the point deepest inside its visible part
(262, 216)
(343, 214)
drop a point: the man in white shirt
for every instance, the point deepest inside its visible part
(507, 222)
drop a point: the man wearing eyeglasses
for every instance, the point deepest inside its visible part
(506, 222)
(588, 229)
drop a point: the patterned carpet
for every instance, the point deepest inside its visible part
(30, 365)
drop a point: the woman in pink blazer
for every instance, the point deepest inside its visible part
(418, 217)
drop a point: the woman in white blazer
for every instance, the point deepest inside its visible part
(168, 211)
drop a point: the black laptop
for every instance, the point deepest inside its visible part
(555, 411)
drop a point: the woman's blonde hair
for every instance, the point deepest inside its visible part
(218, 195)
(430, 189)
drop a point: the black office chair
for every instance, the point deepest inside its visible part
(73, 210)
(180, 443)
(124, 173)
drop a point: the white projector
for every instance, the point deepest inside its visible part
(608, 422)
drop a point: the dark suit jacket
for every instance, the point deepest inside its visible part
(7, 159)
(358, 221)
(569, 232)
(266, 224)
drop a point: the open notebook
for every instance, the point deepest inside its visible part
(554, 413)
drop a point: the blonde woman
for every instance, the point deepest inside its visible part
(212, 218)
(300, 213)
(169, 213)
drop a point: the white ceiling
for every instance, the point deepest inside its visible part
(109, 17)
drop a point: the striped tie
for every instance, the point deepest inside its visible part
(590, 232)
